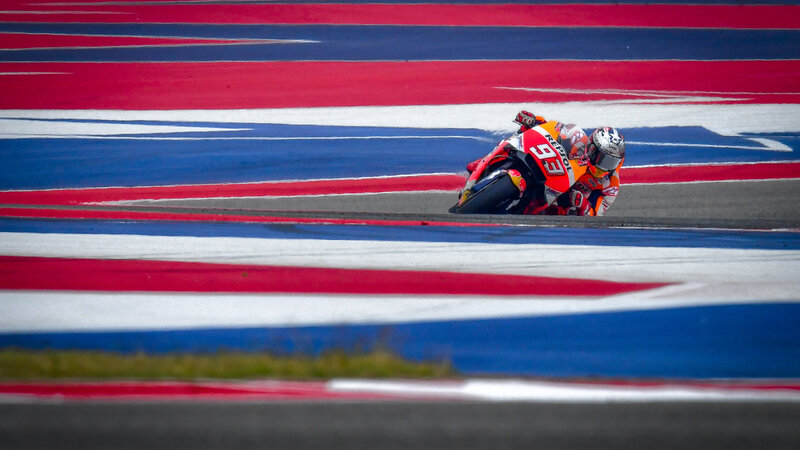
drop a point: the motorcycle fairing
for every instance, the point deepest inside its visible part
(535, 147)
(553, 160)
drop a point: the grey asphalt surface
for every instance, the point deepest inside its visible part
(753, 204)
(404, 425)
(389, 425)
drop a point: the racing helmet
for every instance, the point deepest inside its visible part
(605, 151)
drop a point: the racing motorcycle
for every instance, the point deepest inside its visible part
(524, 168)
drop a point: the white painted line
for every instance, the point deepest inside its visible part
(559, 392)
(62, 311)
(69, 311)
(35, 73)
(62, 12)
(631, 264)
(21, 128)
(227, 138)
(766, 145)
(702, 276)
(243, 183)
(722, 119)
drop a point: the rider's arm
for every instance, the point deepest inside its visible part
(601, 199)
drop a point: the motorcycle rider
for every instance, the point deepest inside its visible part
(603, 152)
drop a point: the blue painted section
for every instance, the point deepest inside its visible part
(689, 238)
(70, 163)
(421, 43)
(735, 341)
(652, 146)
(80, 162)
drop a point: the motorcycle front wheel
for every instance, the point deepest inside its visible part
(490, 198)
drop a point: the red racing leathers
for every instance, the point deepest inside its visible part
(590, 195)
(593, 192)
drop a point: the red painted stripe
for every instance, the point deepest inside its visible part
(726, 172)
(221, 217)
(412, 183)
(240, 85)
(434, 182)
(154, 390)
(17, 272)
(18, 41)
(545, 15)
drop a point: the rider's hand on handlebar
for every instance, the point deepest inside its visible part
(580, 203)
(528, 120)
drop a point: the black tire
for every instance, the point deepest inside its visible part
(488, 199)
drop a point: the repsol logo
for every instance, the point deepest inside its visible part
(561, 152)
(555, 144)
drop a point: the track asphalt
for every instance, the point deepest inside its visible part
(753, 204)
(390, 425)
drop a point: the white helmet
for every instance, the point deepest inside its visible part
(605, 151)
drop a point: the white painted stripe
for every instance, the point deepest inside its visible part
(68, 311)
(766, 144)
(641, 92)
(61, 12)
(757, 180)
(707, 164)
(139, 36)
(242, 183)
(177, 44)
(703, 277)
(162, 201)
(558, 392)
(613, 263)
(34, 73)
(647, 97)
(723, 119)
(32, 311)
(228, 138)
(19, 128)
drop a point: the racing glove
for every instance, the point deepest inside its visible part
(528, 120)
(580, 204)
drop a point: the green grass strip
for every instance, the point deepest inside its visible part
(48, 364)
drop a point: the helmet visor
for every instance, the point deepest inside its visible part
(605, 162)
